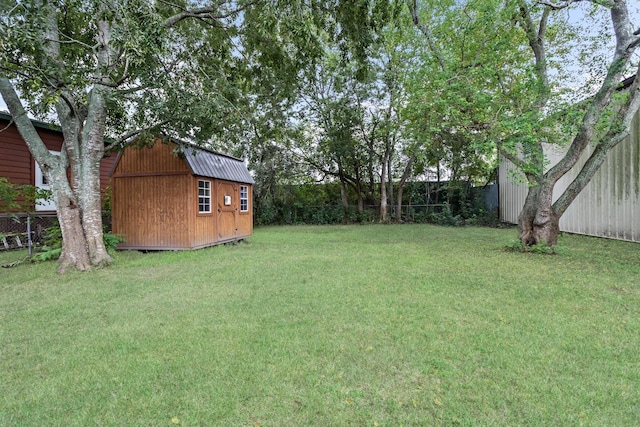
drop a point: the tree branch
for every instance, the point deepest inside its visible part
(424, 29)
(621, 24)
(517, 162)
(535, 38)
(557, 6)
(204, 12)
(131, 134)
(24, 123)
(617, 133)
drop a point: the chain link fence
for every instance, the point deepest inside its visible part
(24, 230)
(29, 230)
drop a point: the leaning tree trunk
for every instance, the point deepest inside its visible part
(74, 245)
(89, 177)
(538, 223)
(92, 217)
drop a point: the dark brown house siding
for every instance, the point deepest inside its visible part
(16, 162)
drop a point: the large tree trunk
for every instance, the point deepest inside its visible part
(74, 247)
(538, 223)
(539, 219)
(78, 205)
(83, 126)
(88, 182)
(92, 218)
(84, 142)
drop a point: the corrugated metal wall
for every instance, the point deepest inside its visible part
(609, 206)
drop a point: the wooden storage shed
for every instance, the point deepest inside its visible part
(173, 196)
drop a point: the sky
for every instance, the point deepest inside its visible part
(578, 15)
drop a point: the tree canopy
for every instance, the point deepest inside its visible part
(128, 70)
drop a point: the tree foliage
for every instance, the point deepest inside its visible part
(130, 70)
(19, 197)
(498, 79)
(364, 93)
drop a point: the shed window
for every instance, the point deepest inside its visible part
(204, 196)
(244, 198)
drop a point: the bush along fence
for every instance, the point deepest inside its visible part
(478, 205)
(441, 214)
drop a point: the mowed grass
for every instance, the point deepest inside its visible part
(329, 326)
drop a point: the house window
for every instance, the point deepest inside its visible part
(244, 198)
(45, 204)
(204, 196)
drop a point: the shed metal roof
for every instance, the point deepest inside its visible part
(215, 165)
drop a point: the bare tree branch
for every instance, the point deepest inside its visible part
(424, 29)
(557, 5)
(131, 134)
(601, 100)
(208, 13)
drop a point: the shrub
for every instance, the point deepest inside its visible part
(541, 248)
(52, 245)
(445, 217)
(20, 197)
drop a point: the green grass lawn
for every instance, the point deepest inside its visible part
(329, 326)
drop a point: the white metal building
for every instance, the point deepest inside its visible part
(609, 206)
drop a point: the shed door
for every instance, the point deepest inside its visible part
(228, 206)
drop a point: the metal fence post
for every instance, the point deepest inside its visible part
(29, 234)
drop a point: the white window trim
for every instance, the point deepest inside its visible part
(245, 198)
(207, 188)
(42, 204)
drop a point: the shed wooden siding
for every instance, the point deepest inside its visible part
(154, 160)
(155, 203)
(106, 164)
(609, 206)
(206, 226)
(151, 191)
(245, 219)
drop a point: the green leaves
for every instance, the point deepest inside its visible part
(19, 197)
